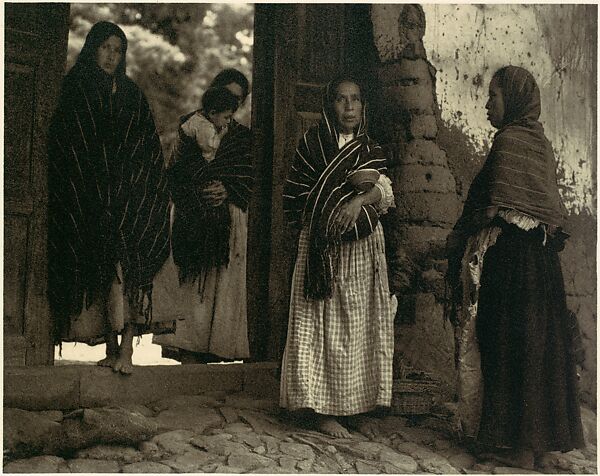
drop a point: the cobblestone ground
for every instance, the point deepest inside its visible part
(219, 433)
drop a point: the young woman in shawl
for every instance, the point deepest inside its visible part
(337, 362)
(209, 234)
(508, 292)
(108, 203)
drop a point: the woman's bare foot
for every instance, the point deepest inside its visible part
(330, 426)
(123, 363)
(112, 350)
(365, 425)
(108, 361)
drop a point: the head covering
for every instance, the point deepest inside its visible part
(99, 33)
(520, 93)
(520, 170)
(317, 187)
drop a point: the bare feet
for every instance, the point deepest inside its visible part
(330, 426)
(112, 350)
(368, 426)
(108, 361)
(123, 363)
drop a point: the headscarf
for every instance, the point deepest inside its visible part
(316, 188)
(520, 170)
(108, 201)
(98, 34)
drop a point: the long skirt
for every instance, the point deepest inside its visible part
(529, 375)
(339, 351)
(213, 320)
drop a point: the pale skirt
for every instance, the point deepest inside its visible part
(215, 321)
(339, 351)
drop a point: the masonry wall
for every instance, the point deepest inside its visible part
(436, 64)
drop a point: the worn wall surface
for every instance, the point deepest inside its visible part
(465, 45)
(468, 43)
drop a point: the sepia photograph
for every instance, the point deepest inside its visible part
(270, 238)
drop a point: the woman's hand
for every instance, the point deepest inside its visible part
(214, 193)
(347, 215)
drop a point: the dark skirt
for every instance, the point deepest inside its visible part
(530, 380)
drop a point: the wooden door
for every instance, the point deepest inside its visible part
(35, 52)
(298, 49)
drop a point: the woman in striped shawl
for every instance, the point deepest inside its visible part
(209, 234)
(108, 203)
(508, 292)
(338, 357)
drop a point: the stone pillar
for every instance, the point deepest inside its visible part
(424, 188)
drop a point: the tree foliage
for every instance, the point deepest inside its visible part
(174, 50)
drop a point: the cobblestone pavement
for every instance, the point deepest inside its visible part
(237, 433)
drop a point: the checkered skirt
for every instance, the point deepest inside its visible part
(339, 351)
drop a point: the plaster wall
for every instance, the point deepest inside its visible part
(557, 43)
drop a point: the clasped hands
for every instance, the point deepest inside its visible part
(214, 193)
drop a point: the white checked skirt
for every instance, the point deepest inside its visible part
(339, 351)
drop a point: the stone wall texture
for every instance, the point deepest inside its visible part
(436, 62)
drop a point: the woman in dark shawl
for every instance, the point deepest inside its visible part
(108, 203)
(508, 291)
(209, 235)
(338, 357)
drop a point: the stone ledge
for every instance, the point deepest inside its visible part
(84, 386)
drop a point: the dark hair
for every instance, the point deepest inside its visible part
(219, 100)
(97, 35)
(232, 75)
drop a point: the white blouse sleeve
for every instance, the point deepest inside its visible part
(384, 184)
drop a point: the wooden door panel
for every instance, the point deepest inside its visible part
(35, 53)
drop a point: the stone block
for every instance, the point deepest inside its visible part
(101, 386)
(416, 98)
(27, 433)
(417, 177)
(146, 467)
(125, 454)
(92, 466)
(442, 208)
(423, 126)
(262, 381)
(38, 464)
(42, 388)
(413, 235)
(425, 152)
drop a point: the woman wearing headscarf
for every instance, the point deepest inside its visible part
(108, 203)
(338, 356)
(508, 293)
(209, 236)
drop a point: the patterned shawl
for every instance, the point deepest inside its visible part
(200, 234)
(520, 170)
(108, 200)
(317, 187)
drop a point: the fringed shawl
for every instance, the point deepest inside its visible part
(200, 234)
(108, 201)
(317, 187)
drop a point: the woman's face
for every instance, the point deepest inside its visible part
(347, 106)
(109, 54)
(495, 104)
(237, 91)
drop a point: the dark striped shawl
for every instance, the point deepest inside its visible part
(315, 190)
(108, 201)
(200, 234)
(519, 173)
